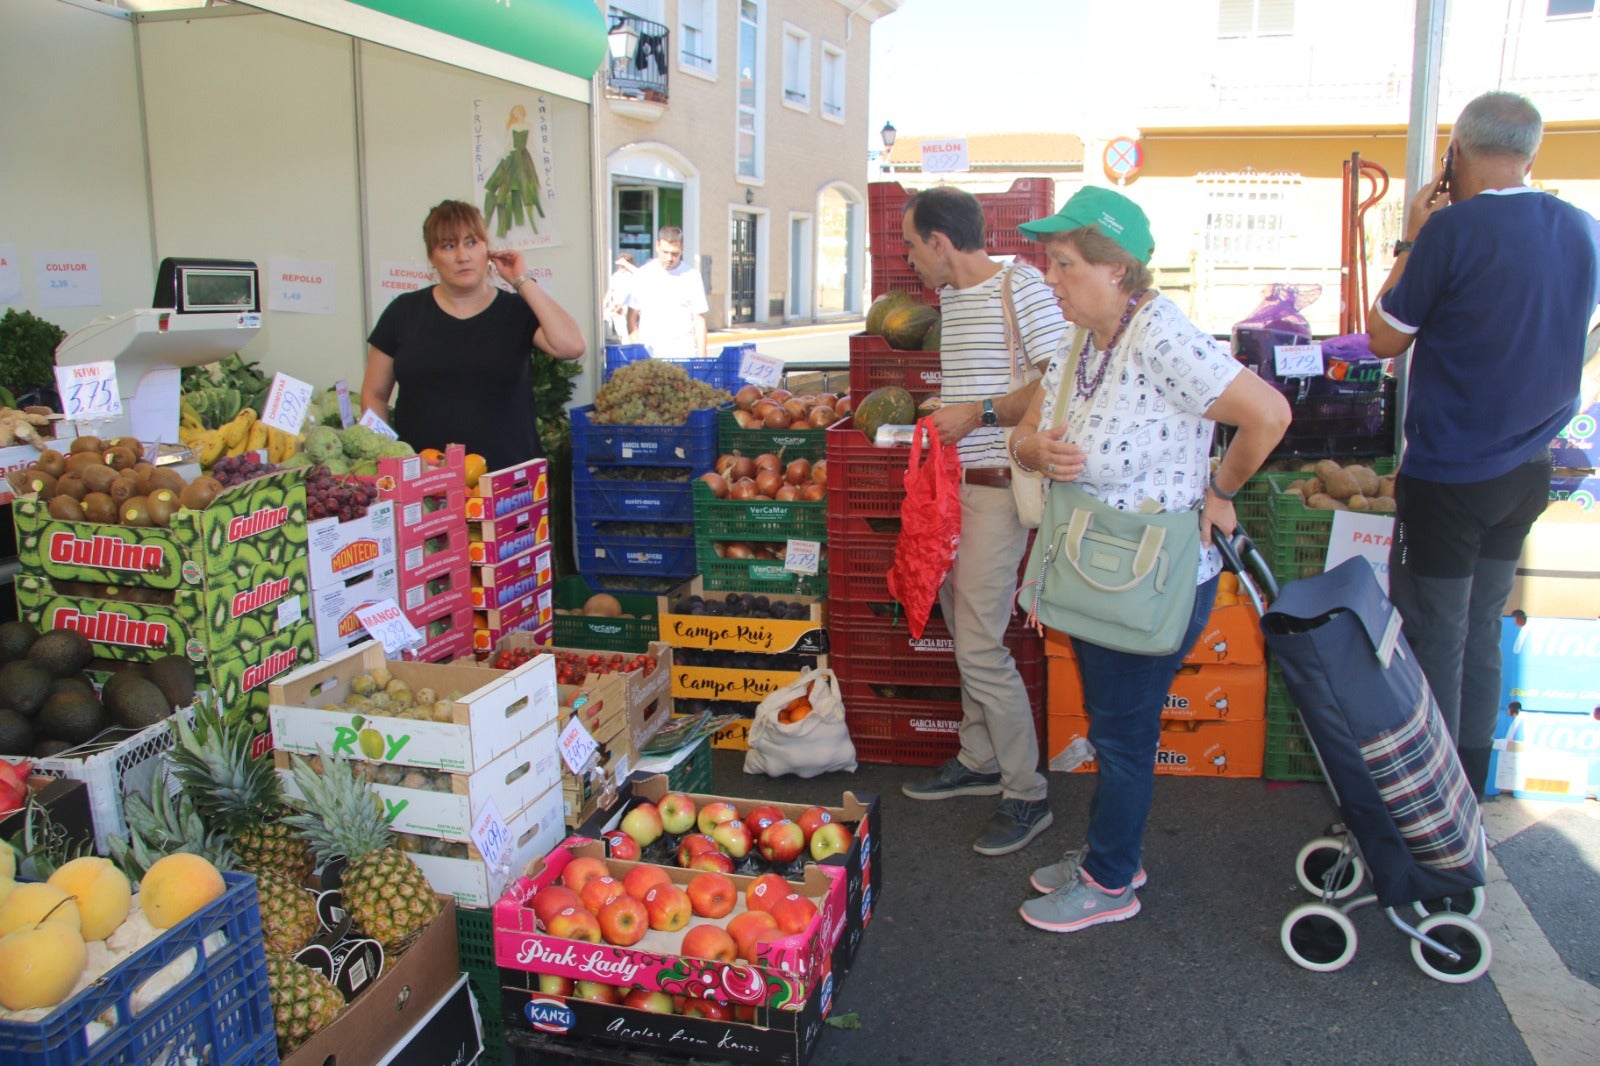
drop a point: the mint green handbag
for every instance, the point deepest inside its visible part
(1119, 579)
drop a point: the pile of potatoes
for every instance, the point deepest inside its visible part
(1345, 488)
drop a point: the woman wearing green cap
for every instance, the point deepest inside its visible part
(1128, 403)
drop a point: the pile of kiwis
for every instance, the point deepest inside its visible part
(109, 481)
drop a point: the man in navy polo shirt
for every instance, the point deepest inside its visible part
(1494, 290)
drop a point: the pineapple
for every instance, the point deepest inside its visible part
(383, 890)
(303, 1001)
(239, 794)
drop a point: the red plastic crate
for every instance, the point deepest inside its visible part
(873, 365)
(865, 556)
(906, 734)
(882, 651)
(891, 273)
(863, 479)
(1003, 212)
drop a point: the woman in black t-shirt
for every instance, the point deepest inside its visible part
(461, 350)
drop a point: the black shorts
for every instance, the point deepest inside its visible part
(1443, 529)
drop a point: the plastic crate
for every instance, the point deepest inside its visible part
(1337, 425)
(598, 499)
(220, 1013)
(602, 634)
(903, 733)
(891, 273)
(1296, 540)
(693, 444)
(475, 945)
(765, 520)
(720, 371)
(1289, 755)
(882, 650)
(606, 553)
(1003, 212)
(864, 480)
(875, 365)
(791, 443)
(766, 576)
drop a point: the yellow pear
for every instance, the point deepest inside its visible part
(6, 885)
(36, 902)
(8, 862)
(40, 965)
(102, 892)
(176, 886)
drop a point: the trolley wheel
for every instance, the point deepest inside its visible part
(1318, 937)
(1461, 935)
(1315, 864)
(1468, 904)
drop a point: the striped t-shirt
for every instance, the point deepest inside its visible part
(973, 360)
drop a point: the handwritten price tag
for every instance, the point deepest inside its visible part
(287, 402)
(763, 370)
(89, 390)
(489, 832)
(622, 770)
(389, 626)
(378, 425)
(343, 389)
(1297, 360)
(577, 746)
(802, 556)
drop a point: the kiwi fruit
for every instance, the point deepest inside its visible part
(199, 493)
(88, 444)
(135, 511)
(123, 488)
(37, 481)
(51, 462)
(98, 478)
(134, 443)
(121, 458)
(77, 462)
(167, 478)
(141, 476)
(66, 508)
(99, 507)
(161, 504)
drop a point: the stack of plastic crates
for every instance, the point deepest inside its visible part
(902, 696)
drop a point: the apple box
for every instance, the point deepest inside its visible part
(807, 636)
(490, 714)
(477, 882)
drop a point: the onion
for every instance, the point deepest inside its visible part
(768, 482)
(777, 418)
(813, 490)
(841, 406)
(743, 489)
(734, 466)
(717, 483)
(786, 492)
(737, 549)
(779, 395)
(796, 407)
(746, 397)
(720, 548)
(745, 419)
(798, 472)
(763, 406)
(823, 399)
(819, 471)
(822, 417)
(768, 461)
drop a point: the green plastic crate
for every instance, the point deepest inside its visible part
(791, 443)
(765, 520)
(1250, 506)
(755, 575)
(1289, 752)
(1296, 541)
(475, 945)
(603, 634)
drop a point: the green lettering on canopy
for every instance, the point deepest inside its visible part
(564, 35)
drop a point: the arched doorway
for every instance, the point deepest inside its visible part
(840, 279)
(651, 185)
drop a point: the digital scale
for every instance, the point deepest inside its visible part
(203, 310)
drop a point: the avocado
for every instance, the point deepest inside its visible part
(76, 683)
(63, 652)
(174, 676)
(23, 686)
(15, 639)
(16, 733)
(136, 703)
(44, 749)
(72, 716)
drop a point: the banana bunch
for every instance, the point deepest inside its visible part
(244, 433)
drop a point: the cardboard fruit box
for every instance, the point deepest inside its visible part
(1232, 637)
(1187, 748)
(743, 685)
(500, 492)
(475, 882)
(785, 973)
(341, 551)
(65, 800)
(495, 586)
(333, 609)
(490, 545)
(493, 714)
(425, 557)
(647, 707)
(808, 636)
(1212, 693)
(427, 499)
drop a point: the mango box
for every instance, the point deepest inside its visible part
(341, 551)
(426, 498)
(1558, 575)
(473, 881)
(808, 636)
(1553, 756)
(1189, 748)
(1207, 693)
(422, 558)
(490, 716)
(488, 545)
(784, 974)
(423, 599)
(500, 492)
(333, 609)
(258, 521)
(861, 863)
(719, 683)
(446, 638)
(1550, 664)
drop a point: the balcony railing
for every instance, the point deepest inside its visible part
(639, 50)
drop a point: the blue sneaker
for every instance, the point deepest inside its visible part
(1061, 874)
(1078, 906)
(953, 779)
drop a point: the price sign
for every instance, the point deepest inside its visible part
(343, 389)
(289, 612)
(287, 402)
(945, 156)
(577, 746)
(622, 770)
(89, 390)
(763, 370)
(802, 556)
(378, 425)
(1297, 360)
(389, 626)
(490, 834)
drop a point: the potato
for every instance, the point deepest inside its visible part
(1358, 502)
(1382, 504)
(1336, 481)
(1386, 486)
(1298, 487)
(1323, 502)
(1366, 478)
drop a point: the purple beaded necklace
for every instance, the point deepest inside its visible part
(1083, 386)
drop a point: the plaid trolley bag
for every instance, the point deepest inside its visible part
(1410, 821)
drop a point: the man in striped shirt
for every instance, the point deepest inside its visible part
(983, 391)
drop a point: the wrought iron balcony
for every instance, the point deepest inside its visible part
(636, 79)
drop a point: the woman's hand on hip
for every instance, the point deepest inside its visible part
(1054, 457)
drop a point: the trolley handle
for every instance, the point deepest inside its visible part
(1239, 554)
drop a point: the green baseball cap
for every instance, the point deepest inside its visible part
(1111, 212)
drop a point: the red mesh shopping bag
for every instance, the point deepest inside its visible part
(930, 526)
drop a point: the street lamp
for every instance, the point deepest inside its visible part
(623, 38)
(888, 134)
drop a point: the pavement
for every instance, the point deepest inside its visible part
(949, 975)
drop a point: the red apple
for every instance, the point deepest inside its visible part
(831, 838)
(623, 921)
(574, 923)
(793, 913)
(812, 817)
(707, 941)
(762, 816)
(746, 924)
(598, 892)
(764, 891)
(648, 999)
(620, 845)
(553, 898)
(744, 1012)
(733, 837)
(750, 948)
(669, 908)
(712, 895)
(554, 984)
(782, 841)
(598, 991)
(714, 814)
(643, 824)
(582, 870)
(714, 861)
(692, 845)
(639, 880)
(677, 813)
(708, 1009)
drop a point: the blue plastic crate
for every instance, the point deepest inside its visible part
(596, 499)
(720, 371)
(220, 1013)
(603, 553)
(693, 444)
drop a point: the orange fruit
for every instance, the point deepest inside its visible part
(431, 456)
(476, 468)
(1227, 583)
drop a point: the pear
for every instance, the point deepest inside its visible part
(40, 965)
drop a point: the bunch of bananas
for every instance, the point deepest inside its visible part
(243, 434)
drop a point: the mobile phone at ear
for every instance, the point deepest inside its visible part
(1449, 166)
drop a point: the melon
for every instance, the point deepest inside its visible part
(882, 306)
(905, 326)
(888, 406)
(930, 340)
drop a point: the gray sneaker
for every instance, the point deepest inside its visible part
(1063, 873)
(1014, 823)
(1078, 906)
(953, 779)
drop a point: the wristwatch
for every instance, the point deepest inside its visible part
(1403, 246)
(989, 416)
(516, 282)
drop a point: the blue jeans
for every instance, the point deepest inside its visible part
(1124, 695)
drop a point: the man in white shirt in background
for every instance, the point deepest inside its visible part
(667, 302)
